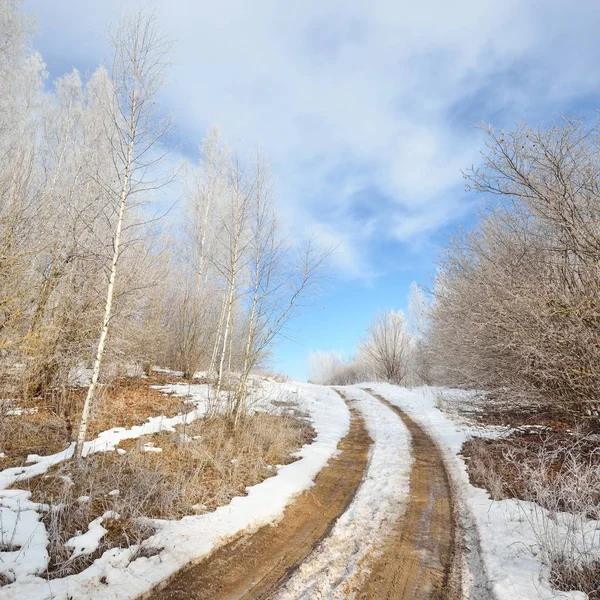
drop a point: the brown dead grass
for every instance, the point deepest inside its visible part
(565, 577)
(203, 465)
(126, 402)
(47, 425)
(498, 464)
(40, 433)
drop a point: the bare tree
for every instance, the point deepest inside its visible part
(516, 307)
(139, 66)
(332, 368)
(231, 259)
(418, 316)
(387, 347)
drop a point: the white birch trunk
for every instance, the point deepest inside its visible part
(85, 415)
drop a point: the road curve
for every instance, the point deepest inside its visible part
(253, 566)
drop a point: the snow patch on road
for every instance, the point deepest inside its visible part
(336, 566)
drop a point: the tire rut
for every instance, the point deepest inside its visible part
(421, 557)
(253, 566)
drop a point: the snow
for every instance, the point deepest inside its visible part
(334, 568)
(150, 447)
(503, 531)
(22, 411)
(164, 371)
(88, 542)
(504, 561)
(22, 534)
(117, 574)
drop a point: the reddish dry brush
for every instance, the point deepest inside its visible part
(47, 425)
(560, 472)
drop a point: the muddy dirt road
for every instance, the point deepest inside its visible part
(419, 560)
(253, 566)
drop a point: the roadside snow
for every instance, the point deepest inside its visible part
(333, 570)
(505, 531)
(117, 574)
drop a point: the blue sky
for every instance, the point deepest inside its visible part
(366, 111)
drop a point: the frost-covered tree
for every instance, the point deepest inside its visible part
(387, 347)
(135, 132)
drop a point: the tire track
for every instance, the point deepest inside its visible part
(253, 566)
(421, 557)
(335, 570)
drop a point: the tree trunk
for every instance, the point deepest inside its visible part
(111, 287)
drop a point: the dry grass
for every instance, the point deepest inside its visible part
(38, 433)
(201, 466)
(125, 402)
(508, 466)
(559, 472)
(47, 425)
(566, 576)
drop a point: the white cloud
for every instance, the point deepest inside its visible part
(349, 97)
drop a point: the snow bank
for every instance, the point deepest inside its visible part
(115, 576)
(88, 542)
(334, 568)
(505, 529)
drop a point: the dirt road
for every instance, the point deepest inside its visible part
(253, 566)
(421, 559)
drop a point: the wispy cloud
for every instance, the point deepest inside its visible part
(365, 109)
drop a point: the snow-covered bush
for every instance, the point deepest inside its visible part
(516, 301)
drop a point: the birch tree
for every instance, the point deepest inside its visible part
(201, 294)
(281, 276)
(135, 132)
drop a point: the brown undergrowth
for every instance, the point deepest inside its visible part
(559, 470)
(48, 424)
(167, 475)
(505, 466)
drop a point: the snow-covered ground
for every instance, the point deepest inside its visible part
(506, 530)
(334, 568)
(114, 575)
(505, 555)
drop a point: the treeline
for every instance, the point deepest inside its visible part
(392, 350)
(517, 304)
(90, 276)
(515, 308)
